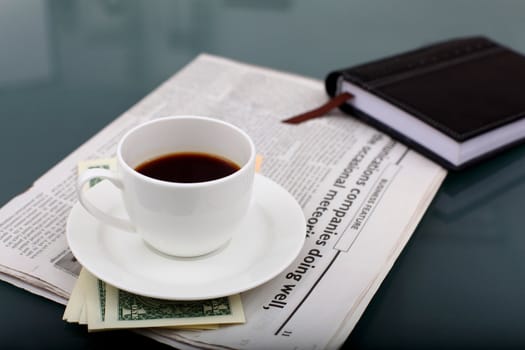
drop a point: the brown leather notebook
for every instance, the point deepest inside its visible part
(458, 102)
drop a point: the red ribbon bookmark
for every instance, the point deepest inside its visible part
(319, 112)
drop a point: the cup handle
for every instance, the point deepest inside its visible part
(97, 173)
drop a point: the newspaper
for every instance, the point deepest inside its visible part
(362, 194)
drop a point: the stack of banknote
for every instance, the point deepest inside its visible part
(101, 306)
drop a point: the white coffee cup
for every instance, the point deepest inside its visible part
(180, 219)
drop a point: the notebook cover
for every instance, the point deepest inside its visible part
(462, 87)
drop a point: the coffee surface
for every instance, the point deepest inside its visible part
(187, 167)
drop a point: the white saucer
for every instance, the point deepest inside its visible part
(272, 237)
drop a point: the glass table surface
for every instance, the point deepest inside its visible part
(68, 68)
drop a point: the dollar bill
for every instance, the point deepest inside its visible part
(75, 303)
(111, 308)
(103, 163)
(101, 306)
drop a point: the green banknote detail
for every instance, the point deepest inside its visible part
(135, 307)
(96, 180)
(102, 298)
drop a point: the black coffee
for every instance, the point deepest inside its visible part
(187, 167)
